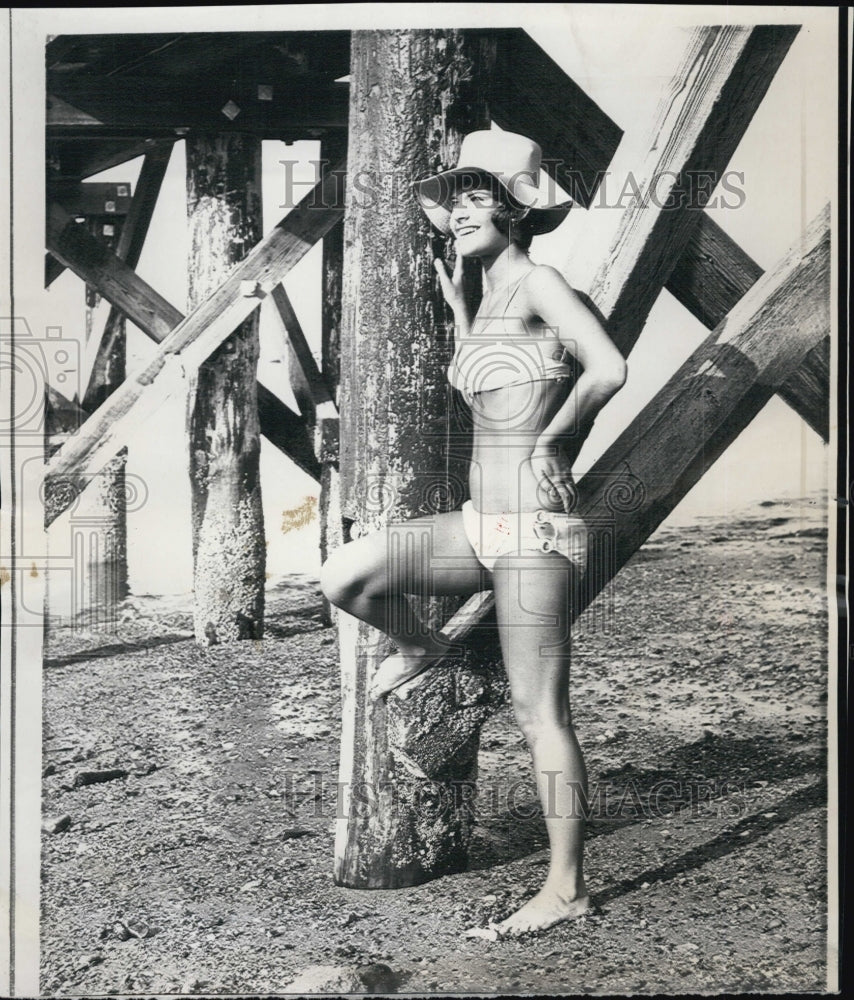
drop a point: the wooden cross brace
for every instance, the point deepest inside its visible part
(185, 342)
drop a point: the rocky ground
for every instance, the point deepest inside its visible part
(189, 797)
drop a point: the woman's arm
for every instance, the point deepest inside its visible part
(603, 368)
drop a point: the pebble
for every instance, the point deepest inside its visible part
(120, 931)
(87, 961)
(56, 824)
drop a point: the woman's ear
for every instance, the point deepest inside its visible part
(519, 214)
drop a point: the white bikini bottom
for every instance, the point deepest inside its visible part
(494, 535)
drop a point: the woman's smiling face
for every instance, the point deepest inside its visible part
(472, 225)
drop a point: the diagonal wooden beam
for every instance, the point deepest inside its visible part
(315, 383)
(52, 269)
(531, 94)
(317, 406)
(95, 263)
(129, 250)
(80, 159)
(721, 82)
(714, 395)
(191, 341)
(675, 439)
(123, 288)
(710, 278)
(712, 274)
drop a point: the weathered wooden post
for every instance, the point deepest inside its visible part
(101, 571)
(413, 95)
(224, 212)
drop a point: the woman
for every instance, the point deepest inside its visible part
(531, 415)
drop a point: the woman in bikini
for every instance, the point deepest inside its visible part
(515, 365)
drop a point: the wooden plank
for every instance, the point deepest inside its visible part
(190, 342)
(201, 54)
(79, 105)
(91, 198)
(280, 425)
(287, 431)
(710, 278)
(713, 396)
(703, 408)
(722, 79)
(531, 94)
(129, 250)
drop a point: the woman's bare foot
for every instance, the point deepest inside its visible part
(547, 908)
(402, 666)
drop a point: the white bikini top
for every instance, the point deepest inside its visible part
(502, 351)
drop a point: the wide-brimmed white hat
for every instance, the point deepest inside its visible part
(488, 157)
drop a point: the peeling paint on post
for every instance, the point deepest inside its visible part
(224, 214)
(413, 96)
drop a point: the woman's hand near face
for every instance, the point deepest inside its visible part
(452, 287)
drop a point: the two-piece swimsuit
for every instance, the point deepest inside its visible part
(493, 360)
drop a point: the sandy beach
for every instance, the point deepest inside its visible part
(189, 796)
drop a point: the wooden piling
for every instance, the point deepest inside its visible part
(397, 828)
(224, 213)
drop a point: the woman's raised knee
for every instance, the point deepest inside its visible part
(344, 577)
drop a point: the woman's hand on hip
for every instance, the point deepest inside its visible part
(553, 471)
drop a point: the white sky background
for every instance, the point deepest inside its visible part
(788, 158)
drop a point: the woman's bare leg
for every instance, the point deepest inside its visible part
(368, 578)
(532, 596)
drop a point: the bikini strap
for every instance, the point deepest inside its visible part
(516, 287)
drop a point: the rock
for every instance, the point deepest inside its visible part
(138, 928)
(295, 832)
(98, 777)
(56, 824)
(120, 931)
(87, 961)
(378, 978)
(373, 978)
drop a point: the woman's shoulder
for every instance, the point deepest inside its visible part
(543, 279)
